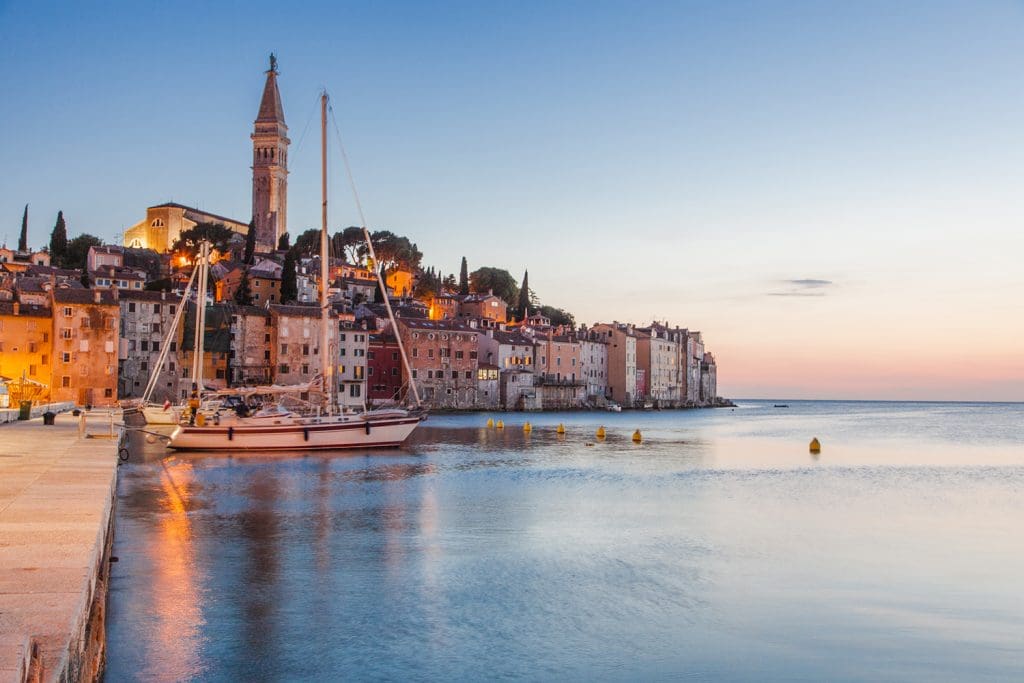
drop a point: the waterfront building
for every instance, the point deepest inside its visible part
(216, 346)
(353, 341)
(559, 379)
(85, 346)
(26, 350)
(251, 346)
(708, 380)
(384, 369)
(443, 357)
(145, 318)
(694, 360)
(622, 370)
(658, 357)
(594, 367)
(295, 342)
(514, 355)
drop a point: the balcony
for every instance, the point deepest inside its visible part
(551, 380)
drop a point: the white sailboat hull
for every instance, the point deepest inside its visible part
(296, 434)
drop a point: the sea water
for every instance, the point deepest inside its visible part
(719, 548)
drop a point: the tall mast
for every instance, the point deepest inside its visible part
(198, 339)
(326, 356)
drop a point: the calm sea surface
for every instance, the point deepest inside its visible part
(719, 549)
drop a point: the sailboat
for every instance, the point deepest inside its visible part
(279, 429)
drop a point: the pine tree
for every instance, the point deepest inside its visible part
(243, 295)
(523, 307)
(250, 244)
(283, 242)
(23, 238)
(59, 241)
(289, 278)
(378, 295)
(464, 277)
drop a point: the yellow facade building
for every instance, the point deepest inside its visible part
(25, 350)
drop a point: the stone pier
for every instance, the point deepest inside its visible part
(57, 493)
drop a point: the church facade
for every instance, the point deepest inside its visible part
(164, 223)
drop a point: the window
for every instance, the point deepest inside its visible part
(144, 345)
(469, 373)
(67, 311)
(430, 353)
(455, 374)
(266, 337)
(341, 336)
(305, 369)
(220, 373)
(156, 346)
(45, 360)
(174, 346)
(66, 357)
(46, 337)
(108, 393)
(414, 374)
(305, 349)
(156, 308)
(33, 347)
(430, 374)
(354, 390)
(31, 369)
(359, 371)
(370, 372)
(172, 309)
(415, 353)
(131, 306)
(283, 368)
(394, 355)
(472, 355)
(458, 355)
(65, 381)
(394, 372)
(284, 349)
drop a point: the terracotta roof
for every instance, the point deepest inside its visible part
(270, 106)
(516, 338)
(84, 296)
(448, 325)
(303, 310)
(197, 212)
(7, 308)
(146, 295)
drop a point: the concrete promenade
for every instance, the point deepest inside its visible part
(57, 493)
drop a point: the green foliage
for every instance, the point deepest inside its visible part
(523, 303)
(85, 279)
(249, 257)
(394, 251)
(464, 277)
(308, 243)
(23, 237)
(558, 316)
(497, 280)
(428, 284)
(289, 279)
(59, 240)
(161, 285)
(283, 242)
(349, 245)
(448, 283)
(217, 234)
(78, 251)
(243, 295)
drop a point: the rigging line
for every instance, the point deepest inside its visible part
(298, 147)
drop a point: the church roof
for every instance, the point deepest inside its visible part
(270, 106)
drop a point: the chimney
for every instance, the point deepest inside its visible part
(17, 308)
(96, 295)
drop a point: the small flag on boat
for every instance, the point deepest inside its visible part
(167, 404)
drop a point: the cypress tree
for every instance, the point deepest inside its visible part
(283, 242)
(523, 306)
(464, 277)
(243, 295)
(59, 240)
(289, 279)
(85, 279)
(250, 244)
(23, 238)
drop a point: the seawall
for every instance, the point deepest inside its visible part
(57, 496)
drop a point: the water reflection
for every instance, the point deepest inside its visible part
(474, 553)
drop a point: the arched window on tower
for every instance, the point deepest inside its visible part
(157, 223)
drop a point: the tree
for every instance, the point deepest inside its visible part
(394, 251)
(289, 279)
(282, 242)
(448, 283)
(378, 293)
(558, 316)
(249, 257)
(217, 234)
(464, 277)
(78, 251)
(243, 295)
(23, 237)
(350, 245)
(161, 285)
(85, 279)
(497, 280)
(523, 305)
(308, 243)
(59, 240)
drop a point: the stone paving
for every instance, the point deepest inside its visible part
(56, 500)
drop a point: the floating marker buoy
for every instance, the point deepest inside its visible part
(527, 427)
(490, 422)
(600, 432)
(637, 438)
(588, 444)
(815, 445)
(500, 425)
(560, 429)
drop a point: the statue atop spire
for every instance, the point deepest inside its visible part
(273, 63)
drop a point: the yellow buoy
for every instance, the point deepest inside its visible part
(527, 427)
(490, 422)
(815, 445)
(600, 432)
(200, 420)
(637, 438)
(500, 425)
(560, 429)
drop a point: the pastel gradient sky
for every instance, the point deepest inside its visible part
(831, 192)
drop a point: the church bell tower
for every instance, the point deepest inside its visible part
(270, 166)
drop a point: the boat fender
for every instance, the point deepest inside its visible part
(367, 427)
(305, 433)
(231, 433)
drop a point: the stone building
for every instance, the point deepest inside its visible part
(26, 350)
(559, 379)
(270, 166)
(146, 318)
(694, 359)
(594, 368)
(164, 223)
(708, 380)
(352, 344)
(443, 356)
(483, 307)
(250, 356)
(384, 369)
(622, 369)
(658, 356)
(295, 343)
(85, 346)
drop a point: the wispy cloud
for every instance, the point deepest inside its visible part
(802, 287)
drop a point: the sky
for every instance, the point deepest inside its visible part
(830, 192)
